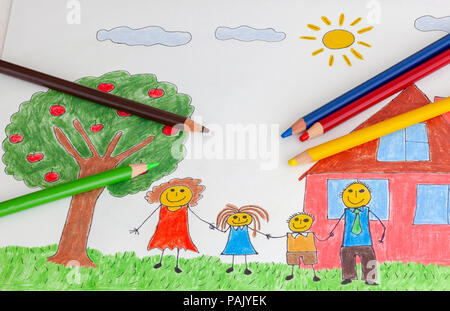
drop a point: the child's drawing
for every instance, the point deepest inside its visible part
(337, 40)
(431, 23)
(56, 138)
(175, 198)
(246, 33)
(408, 174)
(301, 244)
(238, 221)
(147, 36)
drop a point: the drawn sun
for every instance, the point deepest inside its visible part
(339, 40)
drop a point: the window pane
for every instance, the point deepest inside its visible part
(417, 132)
(392, 147)
(417, 151)
(379, 204)
(432, 204)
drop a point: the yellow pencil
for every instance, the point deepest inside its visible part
(372, 132)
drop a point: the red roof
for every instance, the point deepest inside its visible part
(362, 159)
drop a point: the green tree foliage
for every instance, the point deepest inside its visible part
(32, 149)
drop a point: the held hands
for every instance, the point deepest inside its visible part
(135, 231)
(212, 227)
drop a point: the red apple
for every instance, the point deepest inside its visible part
(169, 130)
(35, 157)
(51, 177)
(123, 113)
(96, 128)
(105, 87)
(15, 138)
(57, 110)
(155, 93)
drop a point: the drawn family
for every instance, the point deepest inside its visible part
(178, 196)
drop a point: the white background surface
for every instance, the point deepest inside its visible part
(229, 82)
(4, 17)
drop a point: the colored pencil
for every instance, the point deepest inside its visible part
(382, 78)
(376, 96)
(74, 187)
(102, 98)
(372, 132)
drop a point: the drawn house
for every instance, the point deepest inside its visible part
(408, 173)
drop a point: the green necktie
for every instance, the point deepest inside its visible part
(356, 227)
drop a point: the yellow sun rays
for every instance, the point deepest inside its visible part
(339, 39)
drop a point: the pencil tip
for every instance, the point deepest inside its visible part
(152, 165)
(304, 136)
(292, 162)
(287, 133)
(205, 130)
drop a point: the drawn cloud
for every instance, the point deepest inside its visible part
(246, 33)
(431, 23)
(146, 36)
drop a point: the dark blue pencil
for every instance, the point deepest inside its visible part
(379, 80)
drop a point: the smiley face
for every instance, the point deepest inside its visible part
(300, 222)
(175, 197)
(239, 219)
(356, 195)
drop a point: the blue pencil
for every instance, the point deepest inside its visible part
(379, 80)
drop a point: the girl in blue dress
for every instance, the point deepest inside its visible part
(238, 221)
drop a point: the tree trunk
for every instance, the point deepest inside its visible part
(73, 242)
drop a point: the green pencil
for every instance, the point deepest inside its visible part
(74, 187)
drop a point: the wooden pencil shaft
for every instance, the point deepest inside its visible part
(75, 187)
(379, 129)
(385, 91)
(379, 80)
(93, 95)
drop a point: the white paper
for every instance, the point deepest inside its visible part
(263, 84)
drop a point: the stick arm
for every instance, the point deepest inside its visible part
(382, 224)
(136, 230)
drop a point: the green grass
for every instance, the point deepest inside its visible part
(23, 268)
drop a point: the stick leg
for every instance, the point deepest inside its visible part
(177, 269)
(230, 269)
(290, 276)
(315, 278)
(159, 264)
(247, 270)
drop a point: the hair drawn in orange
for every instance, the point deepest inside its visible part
(193, 184)
(253, 210)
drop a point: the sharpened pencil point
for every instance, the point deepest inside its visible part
(152, 165)
(205, 130)
(292, 162)
(287, 133)
(304, 136)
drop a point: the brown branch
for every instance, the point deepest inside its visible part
(112, 144)
(65, 142)
(132, 150)
(83, 134)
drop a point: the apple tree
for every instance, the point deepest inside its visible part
(55, 138)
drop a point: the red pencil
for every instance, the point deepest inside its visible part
(367, 101)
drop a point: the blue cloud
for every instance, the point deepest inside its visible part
(430, 23)
(246, 33)
(146, 36)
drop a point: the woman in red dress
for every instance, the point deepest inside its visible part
(175, 198)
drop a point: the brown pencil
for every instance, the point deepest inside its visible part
(102, 98)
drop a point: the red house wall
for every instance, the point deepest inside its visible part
(404, 241)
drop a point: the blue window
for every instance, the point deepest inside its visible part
(409, 144)
(379, 203)
(432, 205)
